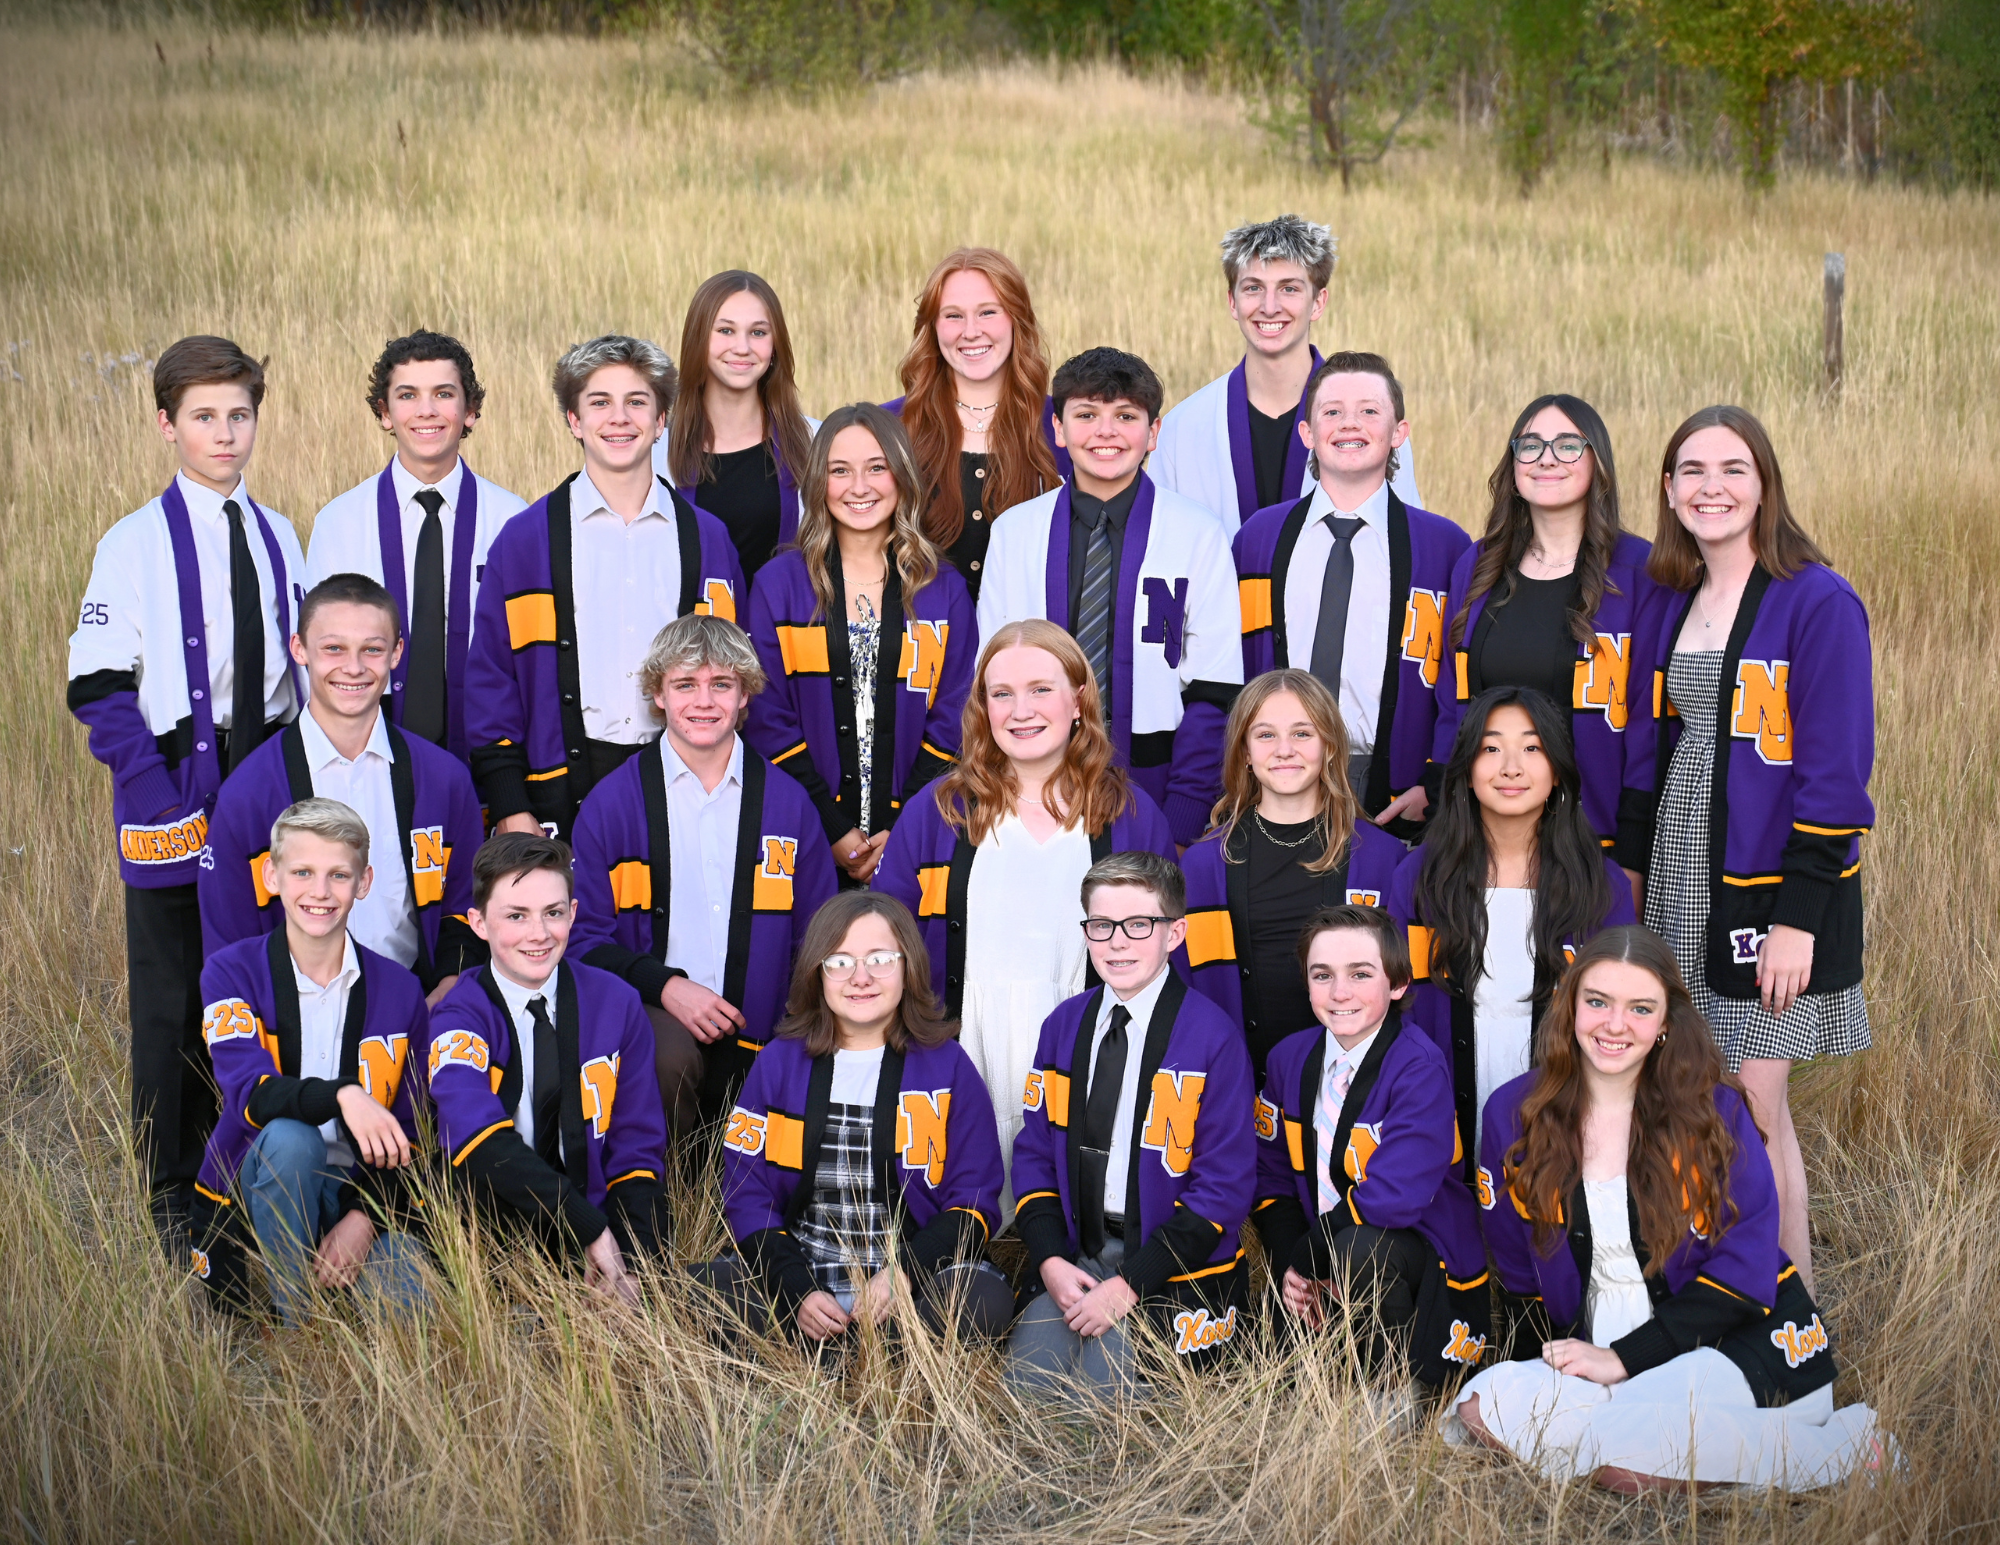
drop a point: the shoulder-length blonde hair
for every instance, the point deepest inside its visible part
(919, 1018)
(1240, 789)
(1778, 540)
(1088, 790)
(1020, 463)
(916, 559)
(690, 457)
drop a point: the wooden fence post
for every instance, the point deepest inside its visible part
(1835, 341)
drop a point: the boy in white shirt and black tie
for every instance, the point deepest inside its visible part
(178, 666)
(421, 527)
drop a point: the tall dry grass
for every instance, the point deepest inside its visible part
(312, 197)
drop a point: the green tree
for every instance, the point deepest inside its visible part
(1362, 69)
(1757, 47)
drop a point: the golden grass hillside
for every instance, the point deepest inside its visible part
(314, 196)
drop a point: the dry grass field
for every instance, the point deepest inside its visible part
(312, 197)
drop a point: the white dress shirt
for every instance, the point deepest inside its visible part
(1333, 1064)
(517, 998)
(626, 578)
(322, 1030)
(701, 846)
(211, 545)
(1118, 1165)
(1366, 650)
(383, 919)
(347, 534)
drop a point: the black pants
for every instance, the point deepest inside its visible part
(1382, 1272)
(173, 1085)
(970, 1295)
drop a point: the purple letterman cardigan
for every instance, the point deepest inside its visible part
(1612, 734)
(524, 709)
(784, 872)
(1423, 550)
(1194, 1153)
(1733, 1288)
(614, 1132)
(1400, 1161)
(1447, 1017)
(935, 1150)
(437, 816)
(928, 866)
(1218, 915)
(163, 787)
(804, 719)
(1788, 808)
(250, 1020)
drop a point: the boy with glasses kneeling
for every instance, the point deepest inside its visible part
(1137, 1158)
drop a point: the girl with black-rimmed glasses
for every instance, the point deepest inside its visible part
(1550, 598)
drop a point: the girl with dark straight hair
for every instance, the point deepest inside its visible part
(737, 439)
(1509, 881)
(1551, 597)
(1656, 1334)
(862, 1146)
(1764, 743)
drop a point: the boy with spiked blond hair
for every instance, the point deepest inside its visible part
(310, 1035)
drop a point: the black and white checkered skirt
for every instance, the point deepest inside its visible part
(845, 1229)
(1826, 1024)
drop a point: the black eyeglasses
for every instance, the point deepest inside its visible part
(1100, 929)
(1529, 448)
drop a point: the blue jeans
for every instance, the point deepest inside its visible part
(293, 1199)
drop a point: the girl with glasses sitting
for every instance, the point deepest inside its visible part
(862, 1148)
(1549, 598)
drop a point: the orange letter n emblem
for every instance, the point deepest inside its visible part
(1762, 710)
(921, 664)
(920, 1131)
(1423, 632)
(1170, 1118)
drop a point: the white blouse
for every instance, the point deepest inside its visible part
(1616, 1301)
(1502, 1013)
(1024, 954)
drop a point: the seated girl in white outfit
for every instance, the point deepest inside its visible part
(1661, 1337)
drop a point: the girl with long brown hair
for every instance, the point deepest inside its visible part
(1657, 1334)
(1287, 839)
(737, 440)
(862, 1146)
(868, 639)
(1763, 748)
(1551, 597)
(991, 860)
(975, 401)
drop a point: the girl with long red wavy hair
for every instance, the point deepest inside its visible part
(991, 859)
(1657, 1335)
(975, 402)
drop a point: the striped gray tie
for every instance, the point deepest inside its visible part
(1093, 609)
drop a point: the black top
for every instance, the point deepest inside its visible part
(742, 492)
(1283, 898)
(1083, 510)
(968, 553)
(1271, 441)
(1527, 642)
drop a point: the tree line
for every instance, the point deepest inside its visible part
(1902, 88)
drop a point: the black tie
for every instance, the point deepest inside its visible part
(1100, 1126)
(423, 686)
(1093, 607)
(548, 1085)
(1330, 637)
(246, 605)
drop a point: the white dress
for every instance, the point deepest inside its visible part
(1024, 954)
(1503, 1025)
(1691, 1418)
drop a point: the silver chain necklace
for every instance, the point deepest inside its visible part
(1264, 827)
